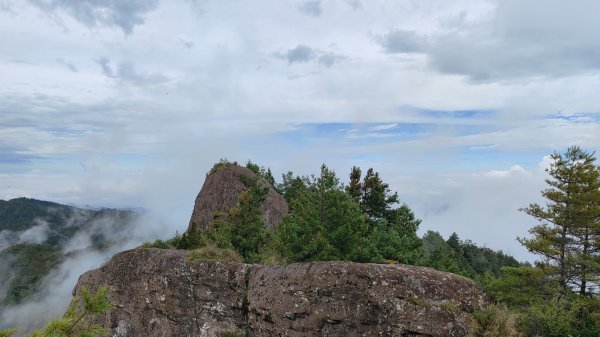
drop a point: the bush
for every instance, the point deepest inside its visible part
(177, 242)
(270, 255)
(223, 163)
(214, 253)
(521, 286)
(160, 244)
(7, 333)
(450, 307)
(493, 321)
(578, 316)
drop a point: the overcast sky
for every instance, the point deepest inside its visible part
(455, 103)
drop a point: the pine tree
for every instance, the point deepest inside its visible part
(325, 223)
(376, 198)
(354, 188)
(568, 235)
(393, 230)
(454, 242)
(586, 228)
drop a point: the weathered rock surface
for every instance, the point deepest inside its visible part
(221, 191)
(353, 299)
(161, 293)
(158, 293)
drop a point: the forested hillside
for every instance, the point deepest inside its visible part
(33, 235)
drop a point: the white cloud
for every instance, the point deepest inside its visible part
(481, 207)
(126, 73)
(123, 14)
(36, 234)
(130, 104)
(383, 127)
(545, 164)
(401, 41)
(513, 40)
(514, 170)
(312, 8)
(55, 289)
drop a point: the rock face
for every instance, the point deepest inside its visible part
(161, 293)
(158, 293)
(353, 299)
(221, 191)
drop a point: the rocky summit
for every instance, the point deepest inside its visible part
(162, 293)
(221, 191)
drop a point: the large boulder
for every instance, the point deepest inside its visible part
(159, 293)
(221, 191)
(162, 293)
(354, 299)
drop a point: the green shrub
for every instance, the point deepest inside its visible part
(269, 254)
(520, 286)
(7, 333)
(450, 307)
(177, 242)
(577, 316)
(418, 301)
(214, 253)
(220, 165)
(157, 244)
(493, 321)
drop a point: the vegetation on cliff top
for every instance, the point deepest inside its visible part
(365, 222)
(362, 221)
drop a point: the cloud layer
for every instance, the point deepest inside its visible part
(80, 255)
(118, 103)
(513, 41)
(123, 14)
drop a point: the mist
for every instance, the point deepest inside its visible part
(36, 234)
(81, 254)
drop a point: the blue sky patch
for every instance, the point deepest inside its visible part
(457, 114)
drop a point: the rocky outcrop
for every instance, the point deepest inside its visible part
(158, 293)
(161, 293)
(354, 299)
(221, 191)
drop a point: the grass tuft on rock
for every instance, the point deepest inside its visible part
(214, 253)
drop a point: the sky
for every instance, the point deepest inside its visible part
(457, 104)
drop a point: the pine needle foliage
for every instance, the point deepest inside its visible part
(568, 235)
(7, 332)
(78, 321)
(96, 304)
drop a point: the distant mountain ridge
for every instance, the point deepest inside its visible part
(19, 213)
(56, 221)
